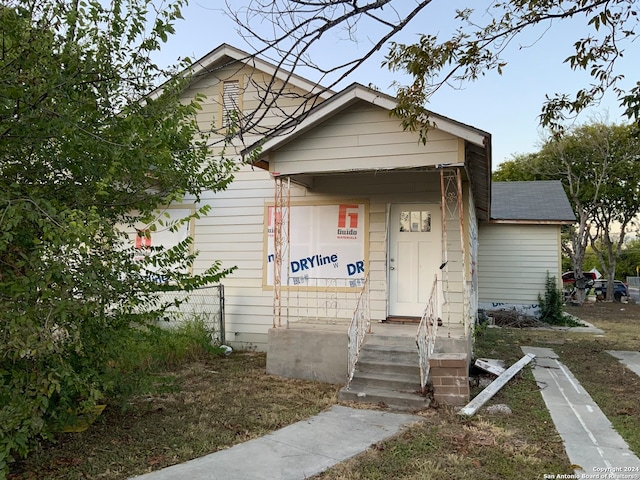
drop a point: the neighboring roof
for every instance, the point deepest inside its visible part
(226, 54)
(530, 202)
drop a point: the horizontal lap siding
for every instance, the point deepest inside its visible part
(235, 235)
(233, 230)
(363, 137)
(513, 261)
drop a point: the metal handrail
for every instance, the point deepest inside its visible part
(360, 324)
(426, 336)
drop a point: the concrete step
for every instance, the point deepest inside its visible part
(384, 339)
(388, 367)
(389, 353)
(399, 382)
(392, 398)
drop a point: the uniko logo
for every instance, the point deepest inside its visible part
(348, 221)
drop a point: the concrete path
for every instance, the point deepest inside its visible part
(295, 452)
(630, 359)
(591, 443)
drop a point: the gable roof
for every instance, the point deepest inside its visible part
(224, 55)
(352, 94)
(543, 201)
(478, 142)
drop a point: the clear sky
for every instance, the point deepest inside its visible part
(506, 106)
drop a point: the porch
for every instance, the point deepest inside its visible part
(359, 199)
(393, 363)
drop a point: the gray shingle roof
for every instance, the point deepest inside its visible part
(530, 201)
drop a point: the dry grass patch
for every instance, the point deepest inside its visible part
(197, 409)
(449, 446)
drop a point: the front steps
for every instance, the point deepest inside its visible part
(387, 372)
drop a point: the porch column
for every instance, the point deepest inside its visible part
(281, 232)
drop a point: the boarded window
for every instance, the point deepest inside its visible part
(230, 102)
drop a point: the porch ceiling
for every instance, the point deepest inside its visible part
(477, 171)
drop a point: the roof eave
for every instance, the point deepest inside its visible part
(203, 65)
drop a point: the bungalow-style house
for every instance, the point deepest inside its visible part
(359, 249)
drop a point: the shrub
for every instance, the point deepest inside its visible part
(551, 307)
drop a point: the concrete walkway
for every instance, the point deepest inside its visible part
(296, 452)
(591, 443)
(630, 359)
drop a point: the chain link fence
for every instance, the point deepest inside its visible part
(633, 284)
(205, 304)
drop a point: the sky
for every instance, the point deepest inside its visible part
(507, 105)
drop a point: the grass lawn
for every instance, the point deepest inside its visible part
(214, 402)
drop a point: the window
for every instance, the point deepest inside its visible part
(415, 221)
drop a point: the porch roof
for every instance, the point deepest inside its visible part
(477, 143)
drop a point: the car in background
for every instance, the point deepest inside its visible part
(569, 279)
(620, 289)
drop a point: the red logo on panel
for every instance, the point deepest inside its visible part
(348, 211)
(143, 239)
(347, 221)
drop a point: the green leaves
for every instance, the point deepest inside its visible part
(84, 153)
(479, 46)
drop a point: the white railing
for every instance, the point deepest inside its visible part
(426, 336)
(322, 300)
(360, 325)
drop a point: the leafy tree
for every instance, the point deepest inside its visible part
(597, 164)
(478, 44)
(521, 168)
(83, 155)
(628, 264)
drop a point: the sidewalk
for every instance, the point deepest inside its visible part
(296, 452)
(592, 445)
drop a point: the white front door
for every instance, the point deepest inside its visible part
(415, 252)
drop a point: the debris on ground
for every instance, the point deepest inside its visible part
(513, 318)
(485, 395)
(499, 409)
(490, 365)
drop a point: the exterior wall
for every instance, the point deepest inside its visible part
(513, 263)
(234, 233)
(249, 98)
(364, 137)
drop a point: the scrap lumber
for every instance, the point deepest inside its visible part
(489, 366)
(495, 386)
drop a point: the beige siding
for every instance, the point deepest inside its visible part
(364, 137)
(251, 98)
(233, 232)
(513, 261)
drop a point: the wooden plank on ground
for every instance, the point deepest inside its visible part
(489, 366)
(472, 407)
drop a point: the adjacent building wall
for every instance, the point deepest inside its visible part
(513, 261)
